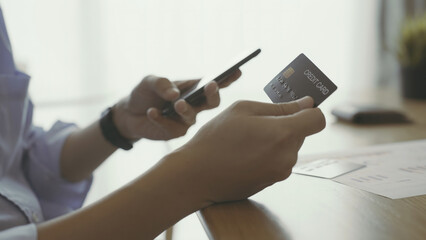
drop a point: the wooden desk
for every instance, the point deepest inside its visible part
(303, 207)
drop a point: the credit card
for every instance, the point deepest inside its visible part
(299, 79)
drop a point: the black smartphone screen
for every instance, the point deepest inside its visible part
(196, 96)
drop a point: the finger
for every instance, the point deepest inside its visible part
(185, 85)
(278, 109)
(283, 175)
(185, 111)
(171, 127)
(306, 122)
(163, 87)
(237, 74)
(300, 143)
(211, 91)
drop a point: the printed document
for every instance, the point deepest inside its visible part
(395, 170)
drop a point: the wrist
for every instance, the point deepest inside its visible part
(111, 133)
(166, 193)
(185, 181)
(119, 118)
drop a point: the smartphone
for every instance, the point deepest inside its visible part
(196, 96)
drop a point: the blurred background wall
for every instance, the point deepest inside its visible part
(91, 49)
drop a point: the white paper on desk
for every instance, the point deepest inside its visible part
(327, 168)
(394, 170)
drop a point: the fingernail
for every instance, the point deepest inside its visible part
(172, 91)
(216, 87)
(182, 106)
(305, 102)
(151, 112)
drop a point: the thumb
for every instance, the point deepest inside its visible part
(163, 87)
(279, 109)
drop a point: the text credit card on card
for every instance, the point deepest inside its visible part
(299, 79)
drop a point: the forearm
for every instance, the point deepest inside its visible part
(83, 151)
(140, 210)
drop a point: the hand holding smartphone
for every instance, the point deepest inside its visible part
(196, 96)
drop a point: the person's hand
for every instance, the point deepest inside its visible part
(246, 148)
(139, 115)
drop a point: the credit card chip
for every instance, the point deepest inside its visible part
(287, 73)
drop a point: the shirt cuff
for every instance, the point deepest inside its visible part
(46, 147)
(42, 169)
(24, 232)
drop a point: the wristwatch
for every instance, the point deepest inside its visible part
(111, 133)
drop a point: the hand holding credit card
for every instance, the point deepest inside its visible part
(299, 79)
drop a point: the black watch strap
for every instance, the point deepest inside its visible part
(111, 133)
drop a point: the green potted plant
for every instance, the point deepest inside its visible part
(412, 57)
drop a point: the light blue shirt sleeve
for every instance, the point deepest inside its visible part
(24, 232)
(42, 169)
(32, 189)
